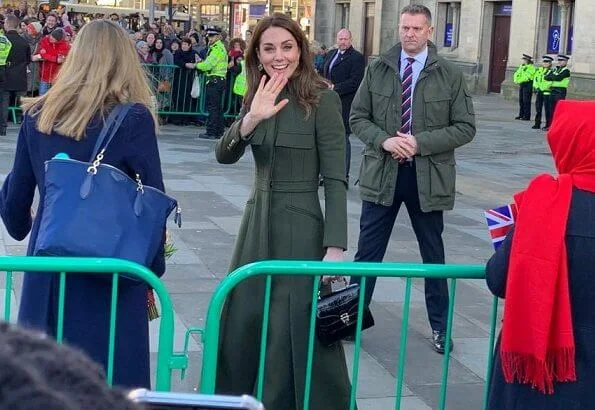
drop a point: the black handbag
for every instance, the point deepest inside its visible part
(336, 315)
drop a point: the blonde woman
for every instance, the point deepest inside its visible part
(101, 70)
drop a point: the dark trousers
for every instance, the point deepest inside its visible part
(525, 94)
(548, 103)
(558, 94)
(376, 225)
(215, 90)
(347, 155)
(539, 105)
(5, 99)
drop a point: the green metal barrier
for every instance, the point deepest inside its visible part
(316, 270)
(172, 85)
(166, 359)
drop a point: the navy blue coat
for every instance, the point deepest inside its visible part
(580, 246)
(87, 303)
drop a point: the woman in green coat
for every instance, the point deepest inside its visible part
(293, 124)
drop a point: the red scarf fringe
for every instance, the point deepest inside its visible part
(541, 374)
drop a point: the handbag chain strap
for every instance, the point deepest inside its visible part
(111, 126)
(93, 167)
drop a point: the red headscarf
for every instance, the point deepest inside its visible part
(537, 336)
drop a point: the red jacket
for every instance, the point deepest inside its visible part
(49, 52)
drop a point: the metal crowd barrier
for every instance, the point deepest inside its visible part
(167, 360)
(171, 86)
(316, 270)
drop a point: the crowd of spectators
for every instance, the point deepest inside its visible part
(168, 52)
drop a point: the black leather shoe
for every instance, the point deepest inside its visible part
(518, 118)
(439, 341)
(2, 132)
(536, 127)
(545, 128)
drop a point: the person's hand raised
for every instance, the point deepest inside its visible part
(263, 104)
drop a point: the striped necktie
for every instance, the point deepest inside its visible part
(407, 97)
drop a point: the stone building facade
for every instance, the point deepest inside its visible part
(486, 38)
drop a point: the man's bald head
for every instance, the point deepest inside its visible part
(344, 39)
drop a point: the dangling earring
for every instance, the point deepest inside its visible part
(260, 67)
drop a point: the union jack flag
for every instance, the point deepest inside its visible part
(500, 220)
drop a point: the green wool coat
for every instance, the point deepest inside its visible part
(283, 220)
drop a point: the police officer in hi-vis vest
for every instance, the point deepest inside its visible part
(560, 78)
(543, 93)
(215, 69)
(5, 47)
(523, 76)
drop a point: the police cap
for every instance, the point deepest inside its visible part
(212, 31)
(562, 57)
(527, 57)
(547, 59)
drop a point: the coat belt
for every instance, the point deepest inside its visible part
(287, 186)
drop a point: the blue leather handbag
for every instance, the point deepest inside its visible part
(95, 210)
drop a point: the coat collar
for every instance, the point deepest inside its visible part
(340, 59)
(392, 57)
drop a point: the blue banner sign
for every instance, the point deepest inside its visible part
(553, 40)
(503, 10)
(257, 10)
(448, 35)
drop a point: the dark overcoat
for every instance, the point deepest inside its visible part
(87, 302)
(346, 75)
(580, 243)
(283, 220)
(16, 64)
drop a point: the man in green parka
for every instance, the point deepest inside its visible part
(411, 111)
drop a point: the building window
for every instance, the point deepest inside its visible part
(448, 27)
(341, 16)
(561, 28)
(449, 22)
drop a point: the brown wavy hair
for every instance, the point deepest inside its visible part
(305, 84)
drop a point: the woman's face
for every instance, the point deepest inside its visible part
(175, 46)
(144, 49)
(185, 46)
(193, 40)
(278, 52)
(150, 39)
(237, 47)
(159, 44)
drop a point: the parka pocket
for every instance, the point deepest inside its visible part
(371, 169)
(437, 107)
(381, 101)
(442, 175)
(469, 103)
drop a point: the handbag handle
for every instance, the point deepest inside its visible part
(114, 120)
